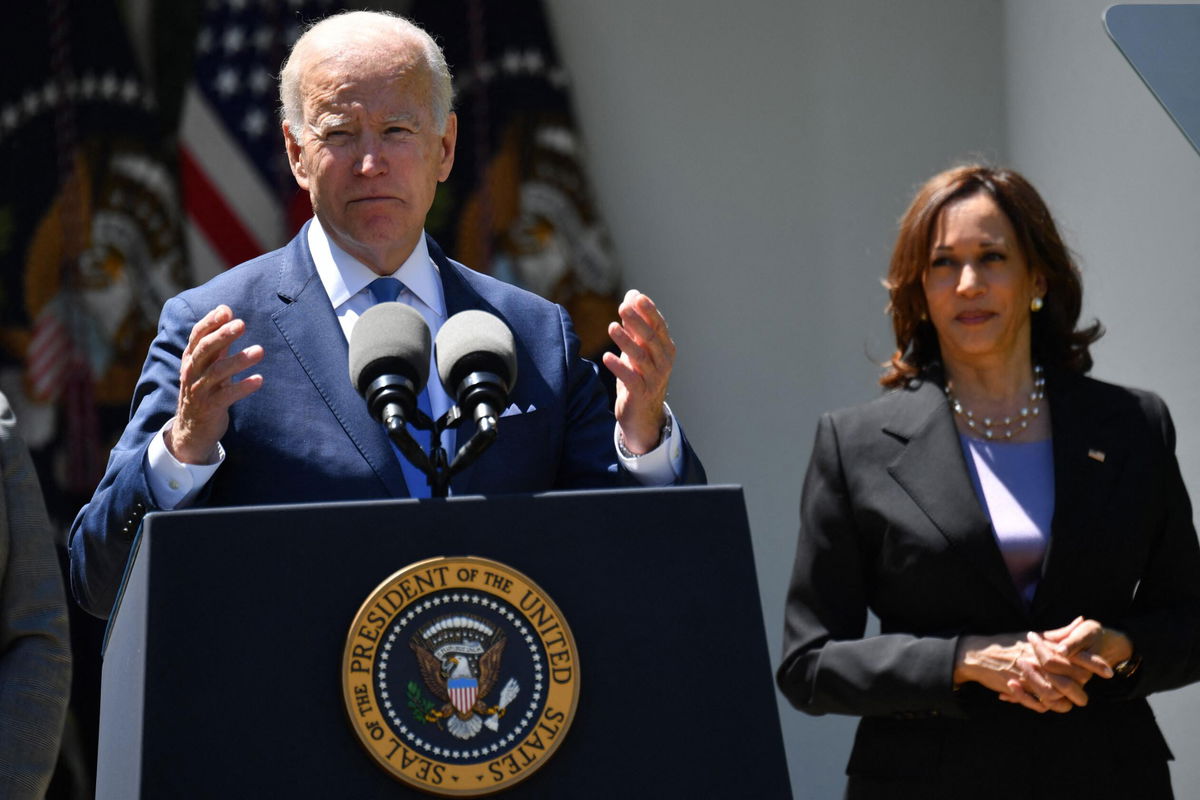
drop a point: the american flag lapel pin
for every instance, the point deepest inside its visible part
(1096, 455)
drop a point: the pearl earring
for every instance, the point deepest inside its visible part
(1036, 304)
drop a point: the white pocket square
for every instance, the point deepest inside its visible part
(514, 409)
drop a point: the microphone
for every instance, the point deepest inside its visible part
(477, 363)
(389, 365)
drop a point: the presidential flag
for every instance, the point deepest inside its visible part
(89, 234)
(519, 203)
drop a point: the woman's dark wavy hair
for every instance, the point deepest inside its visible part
(1057, 342)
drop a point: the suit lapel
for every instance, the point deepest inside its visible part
(458, 295)
(932, 470)
(1089, 452)
(309, 326)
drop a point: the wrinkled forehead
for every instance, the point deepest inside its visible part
(335, 70)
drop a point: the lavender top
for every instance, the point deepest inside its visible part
(1015, 484)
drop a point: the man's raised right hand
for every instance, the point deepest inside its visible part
(207, 388)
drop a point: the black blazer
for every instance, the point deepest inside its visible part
(890, 522)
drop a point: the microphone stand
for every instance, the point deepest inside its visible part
(436, 466)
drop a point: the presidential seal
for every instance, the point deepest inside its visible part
(460, 676)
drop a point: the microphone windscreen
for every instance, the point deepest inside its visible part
(475, 341)
(390, 338)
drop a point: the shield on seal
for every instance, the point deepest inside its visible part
(462, 693)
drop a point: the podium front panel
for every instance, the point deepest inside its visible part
(222, 673)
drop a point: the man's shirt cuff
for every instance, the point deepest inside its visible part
(663, 465)
(172, 483)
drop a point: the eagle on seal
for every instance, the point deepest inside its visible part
(459, 660)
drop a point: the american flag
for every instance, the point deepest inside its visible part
(239, 194)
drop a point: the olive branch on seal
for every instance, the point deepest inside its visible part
(418, 703)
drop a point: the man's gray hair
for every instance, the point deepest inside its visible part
(364, 23)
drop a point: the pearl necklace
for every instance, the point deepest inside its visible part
(1009, 426)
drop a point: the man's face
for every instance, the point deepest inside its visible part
(370, 155)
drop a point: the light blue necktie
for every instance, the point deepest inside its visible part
(386, 290)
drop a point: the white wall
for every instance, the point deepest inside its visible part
(752, 159)
(1125, 185)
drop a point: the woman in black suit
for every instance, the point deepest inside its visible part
(1021, 531)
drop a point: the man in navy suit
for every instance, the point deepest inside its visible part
(369, 132)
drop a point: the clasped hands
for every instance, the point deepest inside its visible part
(1043, 671)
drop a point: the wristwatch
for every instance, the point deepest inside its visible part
(663, 435)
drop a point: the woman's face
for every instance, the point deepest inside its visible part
(978, 285)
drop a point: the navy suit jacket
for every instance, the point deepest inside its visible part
(306, 435)
(890, 522)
